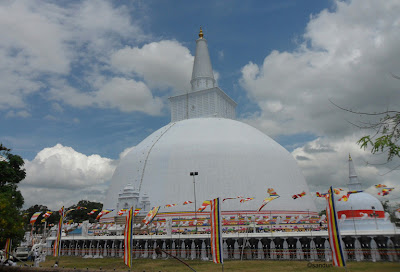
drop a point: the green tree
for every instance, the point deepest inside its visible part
(386, 131)
(386, 136)
(387, 207)
(11, 200)
(38, 225)
(80, 214)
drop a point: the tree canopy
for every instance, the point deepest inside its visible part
(11, 200)
(386, 136)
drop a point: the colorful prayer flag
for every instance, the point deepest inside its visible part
(70, 210)
(34, 217)
(204, 205)
(353, 192)
(128, 238)
(136, 212)
(170, 205)
(150, 216)
(47, 214)
(57, 242)
(322, 195)
(232, 198)
(299, 195)
(333, 231)
(246, 199)
(7, 248)
(385, 191)
(122, 211)
(272, 195)
(93, 211)
(216, 231)
(380, 185)
(103, 212)
(187, 202)
(344, 198)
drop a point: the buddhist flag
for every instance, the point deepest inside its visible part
(103, 212)
(187, 202)
(322, 195)
(344, 198)
(232, 198)
(150, 216)
(333, 231)
(170, 205)
(380, 185)
(299, 195)
(385, 191)
(136, 212)
(272, 195)
(122, 211)
(204, 205)
(128, 238)
(216, 231)
(70, 210)
(93, 211)
(34, 217)
(57, 242)
(7, 248)
(245, 199)
(47, 214)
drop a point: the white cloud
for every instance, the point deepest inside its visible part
(347, 56)
(124, 94)
(21, 113)
(59, 175)
(324, 163)
(44, 43)
(161, 64)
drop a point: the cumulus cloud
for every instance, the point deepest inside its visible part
(61, 175)
(44, 44)
(161, 64)
(347, 56)
(324, 169)
(126, 95)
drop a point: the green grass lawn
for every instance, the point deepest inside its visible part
(173, 265)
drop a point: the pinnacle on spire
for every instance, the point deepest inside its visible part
(201, 34)
(354, 184)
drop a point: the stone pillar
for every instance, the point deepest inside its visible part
(374, 251)
(328, 251)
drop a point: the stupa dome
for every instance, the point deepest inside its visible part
(231, 158)
(359, 201)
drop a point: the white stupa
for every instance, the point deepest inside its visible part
(232, 158)
(362, 211)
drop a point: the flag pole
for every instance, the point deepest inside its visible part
(131, 238)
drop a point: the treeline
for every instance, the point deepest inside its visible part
(76, 213)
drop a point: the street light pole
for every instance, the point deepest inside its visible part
(374, 215)
(193, 174)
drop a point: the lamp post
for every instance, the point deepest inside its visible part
(374, 215)
(193, 174)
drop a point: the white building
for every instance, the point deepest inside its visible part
(362, 211)
(232, 158)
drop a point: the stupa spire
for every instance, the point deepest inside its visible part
(354, 184)
(202, 74)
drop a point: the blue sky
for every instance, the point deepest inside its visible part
(241, 31)
(82, 81)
